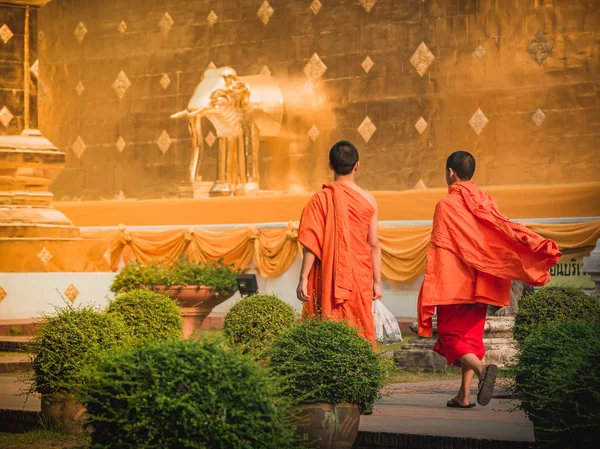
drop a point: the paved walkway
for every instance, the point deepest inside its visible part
(11, 388)
(420, 408)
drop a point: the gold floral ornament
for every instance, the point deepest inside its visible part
(368, 4)
(2, 294)
(539, 48)
(72, 293)
(422, 58)
(478, 121)
(80, 32)
(265, 12)
(366, 129)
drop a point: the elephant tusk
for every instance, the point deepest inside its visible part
(180, 114)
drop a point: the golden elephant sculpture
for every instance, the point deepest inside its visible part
(242, 110)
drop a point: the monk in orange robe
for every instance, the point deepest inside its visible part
(474, 254)
(341, 269)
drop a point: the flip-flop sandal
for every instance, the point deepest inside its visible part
(453, 403)
(485, 389)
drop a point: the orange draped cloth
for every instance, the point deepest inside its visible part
(335, 227)
(475, 252)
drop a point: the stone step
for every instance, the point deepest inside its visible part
(391, 440)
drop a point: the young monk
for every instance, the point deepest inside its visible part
(474, 254)
(341, 270)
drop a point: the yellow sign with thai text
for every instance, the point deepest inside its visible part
(569, 271)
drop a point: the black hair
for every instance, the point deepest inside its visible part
(462, 163)
(343, 157)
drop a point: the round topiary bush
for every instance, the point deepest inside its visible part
(184, 394)
(558, 382)
(554, 304)
(327, 361)
(255, 322)
(152, 317)
(68, 342)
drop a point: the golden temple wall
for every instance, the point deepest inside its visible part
(422, 77)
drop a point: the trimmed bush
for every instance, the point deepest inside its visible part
(152, 317)
(68, 342)
(554, 304)
(329, 362)
(255, 322)
(558, 382)
(184, 394)
(217, 275)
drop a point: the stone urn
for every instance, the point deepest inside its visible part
(195, 303)
(328, 426)
(64, 412)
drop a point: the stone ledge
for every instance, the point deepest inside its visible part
(386, 440)
(14, 367)
(18, 421)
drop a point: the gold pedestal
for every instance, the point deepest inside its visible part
(29, 163)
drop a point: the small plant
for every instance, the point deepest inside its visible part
(151, 317)
(15, 331)
(70, 340)
(255, 322)
(217, 275)
(184, 394)
(558, 383)
(554, 304)
(327, 361)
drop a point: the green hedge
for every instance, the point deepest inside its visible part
(328, 361)
(558, 382)
(70, 341)
(151, 317)
(184, 394)
(255, 322)
(554, 304)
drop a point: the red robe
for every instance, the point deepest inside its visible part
(335, 227)
(474, 254)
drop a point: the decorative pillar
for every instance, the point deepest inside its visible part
(591, 265)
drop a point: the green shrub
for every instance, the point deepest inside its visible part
(253, 323)
(152, 317)
(184, 394)
(328, 361)
(69, 341)
(554, 304)
(214, 274)
(558, 382)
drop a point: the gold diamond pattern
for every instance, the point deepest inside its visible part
(45, 256)
(35, 68)
(5, 33)
(79, 147)
(539, 117)
(5, 116)
(120, 144)
(121, 84)
(314, 133)
(212, 18)
(315, 68)
(368, 4)
(72, 293)
(422, 58)
(265, 12)
(421, 125)
(108, 256)
(210, 139)
(478, 121)
(316, 6)
(479, 53)
(80, 32)
(211, 65)
(122, 27)
(166, 23)
(265, 71)
(366, 129)
(79, 88)
(539, 48)
(2, 294)
(420, 185)
(165, 81)
(164, 141)
(367, 64)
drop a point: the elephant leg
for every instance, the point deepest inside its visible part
(250, 142)
(221, 187)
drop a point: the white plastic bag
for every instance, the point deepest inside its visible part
(386, 325)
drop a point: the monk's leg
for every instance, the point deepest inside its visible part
(472, 362)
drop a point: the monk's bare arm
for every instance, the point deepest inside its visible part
(307, 263)
(373, 240)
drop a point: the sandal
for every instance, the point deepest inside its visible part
(485, 389)
(453, 403)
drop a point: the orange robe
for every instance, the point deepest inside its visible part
(335, 227)
(475, 252)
